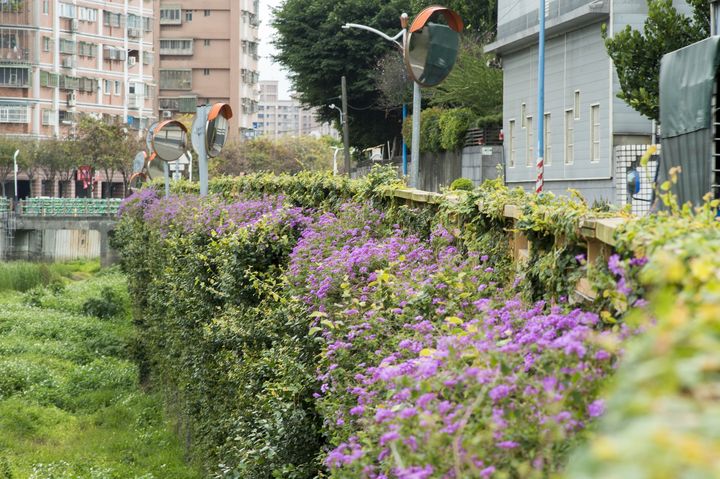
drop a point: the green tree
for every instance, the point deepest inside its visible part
(479, 17)
(636, 54)
(283, 155)
(473, 83)
(56, 159)
(317, 52)
(106, 147)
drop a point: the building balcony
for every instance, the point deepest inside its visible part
(14, 76)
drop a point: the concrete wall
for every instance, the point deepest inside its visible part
(58, 239)
(55, 245)
(438, 170)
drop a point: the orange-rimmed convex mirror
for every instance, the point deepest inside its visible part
(432, 45)
(154, 167)
(169, 140)
(137, 180)
(217, 128)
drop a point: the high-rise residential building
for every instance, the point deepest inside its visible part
(209, 53)
(59, 59)
(278, 117)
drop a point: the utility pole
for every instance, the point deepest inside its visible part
(346, 128)
(541, 101)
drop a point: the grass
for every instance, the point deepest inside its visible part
(23, 275)
(70, 402)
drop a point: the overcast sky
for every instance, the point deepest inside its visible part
(268, 69)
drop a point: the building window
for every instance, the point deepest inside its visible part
(112, 19)
(117, 87)
(67, 46)
(522, 115)
(14, 114)
(8, 40)
(511, 146)
(67, 10)
(46, 44)
(14, 77)
(206, 42)
(188, 15)
(595, 133)
(176, 47)
(175, 79)
(207, 13)
(715, 17)
(46, 7)
(569, 137)
(49, 117)
(576, 104)
(170, 16)
(547, 138)
(206, 71)
(529, 160)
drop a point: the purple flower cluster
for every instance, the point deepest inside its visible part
(208, 215)
(429, 368)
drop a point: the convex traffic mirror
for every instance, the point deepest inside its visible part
(169, 140)
(216, 131)
(432, 45)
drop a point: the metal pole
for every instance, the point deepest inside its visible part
(404, 145)
(415, 147)
(15, 192)
(404, 25)
(541, 102)
(166, 167)
(346, 130)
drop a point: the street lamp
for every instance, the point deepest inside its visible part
(342, 118)
(17, 152)
(430, 48)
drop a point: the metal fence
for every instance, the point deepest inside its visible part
(68, 207)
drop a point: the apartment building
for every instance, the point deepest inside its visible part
(276, 117)
(585, 124)
(59, 59)
(209, 53)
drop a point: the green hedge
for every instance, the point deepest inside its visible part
(231, 350)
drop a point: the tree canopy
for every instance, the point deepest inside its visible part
(637, 54)
(313, 46)
(479, 17)
(290, 154)
(473, 83)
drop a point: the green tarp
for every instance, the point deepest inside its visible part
(687, 78)
(686, 87)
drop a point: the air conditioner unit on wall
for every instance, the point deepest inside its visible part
(68, 62)
(133, 32)
(74, 25)
(132, 61)
(167, 114)
(71, 99)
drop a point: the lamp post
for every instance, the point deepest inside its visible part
(415, 148)
(430, 46)
(342, 118)
(15, 168)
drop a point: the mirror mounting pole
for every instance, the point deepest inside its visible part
(199, 143)
(166, 167)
